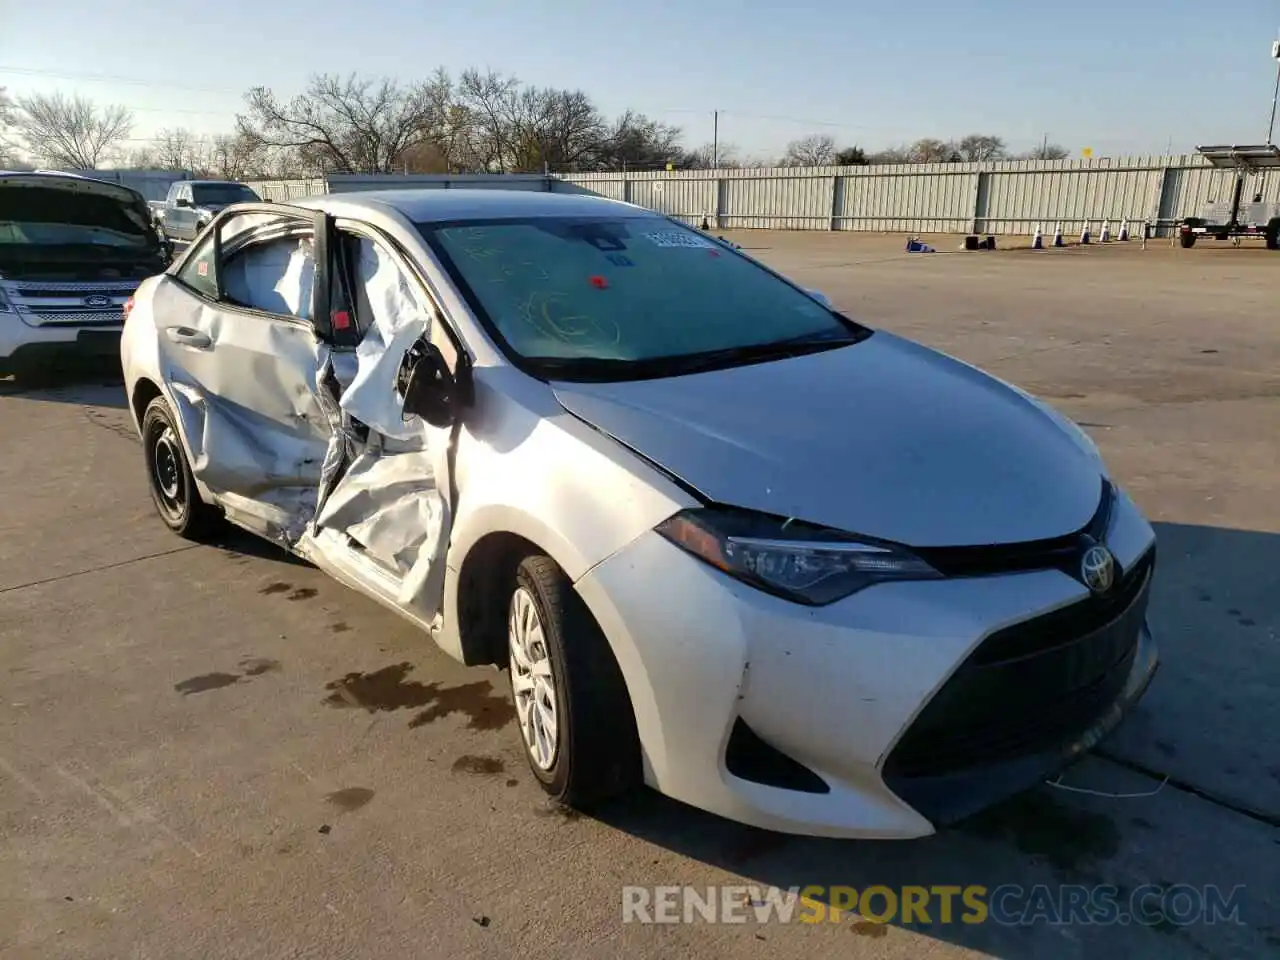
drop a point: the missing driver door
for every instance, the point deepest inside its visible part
(384, 511)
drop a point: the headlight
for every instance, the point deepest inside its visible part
(798, 561)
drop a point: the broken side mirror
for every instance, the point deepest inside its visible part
(426, 385)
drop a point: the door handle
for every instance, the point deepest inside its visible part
(189, 338)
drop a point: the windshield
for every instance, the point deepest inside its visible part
(222, 193)
(569, 295)
(36, 216)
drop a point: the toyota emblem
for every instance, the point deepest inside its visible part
(1098, 569)
(97, 300)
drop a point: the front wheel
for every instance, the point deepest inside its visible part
(1273, 235)
(173, 489)
(1188, 241)
(574, 714)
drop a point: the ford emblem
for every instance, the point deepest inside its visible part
(97, 300)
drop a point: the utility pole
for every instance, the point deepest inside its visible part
(1275, 55)
(715, 140)
(1044, 148)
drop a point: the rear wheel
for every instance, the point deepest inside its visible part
(173, 489)
(1273, 235)
(572, 707)
(1188, 240)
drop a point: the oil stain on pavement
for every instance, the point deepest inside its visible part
(478, 765)
(206, 681)
(251, 667)
(390, 689)
(350, 798)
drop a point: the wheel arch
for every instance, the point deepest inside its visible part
(144, 391)
(486, 548)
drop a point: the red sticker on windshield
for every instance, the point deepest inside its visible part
(202, 268)
(599, 282)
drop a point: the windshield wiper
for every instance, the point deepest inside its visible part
(610, 368)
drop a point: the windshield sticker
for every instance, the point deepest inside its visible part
(620, 260)
(202, 268)
(677, 238)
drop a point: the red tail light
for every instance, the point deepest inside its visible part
(128, 307)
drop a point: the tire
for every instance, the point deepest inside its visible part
(1188, 240)
(595, 751)
(1273, 235)
(173, 489)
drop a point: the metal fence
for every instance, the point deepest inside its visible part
(1004, 197)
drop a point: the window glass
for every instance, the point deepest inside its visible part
(626, 289)
(200, 272)
(276, 276)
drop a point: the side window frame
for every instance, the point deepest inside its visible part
(454, 347)
(304, 220)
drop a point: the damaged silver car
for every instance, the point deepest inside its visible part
(729, 542)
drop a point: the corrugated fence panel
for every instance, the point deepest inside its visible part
(1017, 200)
(777, 203)
(283, 190)
(936, 200)
(677, 195)
(1010, 196)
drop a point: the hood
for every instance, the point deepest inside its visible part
(884, 438)
(70, 186)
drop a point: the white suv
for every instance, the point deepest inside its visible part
(72, 252)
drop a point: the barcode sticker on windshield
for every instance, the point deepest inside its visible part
(677, 238)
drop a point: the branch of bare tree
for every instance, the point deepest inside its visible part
(69, 132)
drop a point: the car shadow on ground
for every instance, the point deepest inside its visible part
(1154, 808)
(94, 383)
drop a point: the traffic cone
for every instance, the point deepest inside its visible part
(1124, 232)
(1057, 236)
(1038, 242)
(1084, 234)
(1106, 231)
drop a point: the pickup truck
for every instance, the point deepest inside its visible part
(191, 204)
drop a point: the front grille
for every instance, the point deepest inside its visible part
(39, 290)
(1030, 687)
(1057, 553)
(76, 319)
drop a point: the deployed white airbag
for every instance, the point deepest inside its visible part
(276, 277)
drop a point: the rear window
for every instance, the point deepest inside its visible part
(43, 216)
(223, 193)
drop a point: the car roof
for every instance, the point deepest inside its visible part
(198, 183)
(433, 205)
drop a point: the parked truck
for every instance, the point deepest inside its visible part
(191, 204)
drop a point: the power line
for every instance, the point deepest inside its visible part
(111, 78)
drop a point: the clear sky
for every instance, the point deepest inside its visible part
(1120, 76)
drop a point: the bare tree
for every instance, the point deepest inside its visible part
(489, 99)
(70, 131)
(725, 155)
(638, 143)
(6, 117)
(981, 146)
(234, 156)
(899, 154)
(815, 150)
(1047, 151)
(931, 150)
(353, 125)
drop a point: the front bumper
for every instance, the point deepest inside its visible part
(26, 348)
(883, 715)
